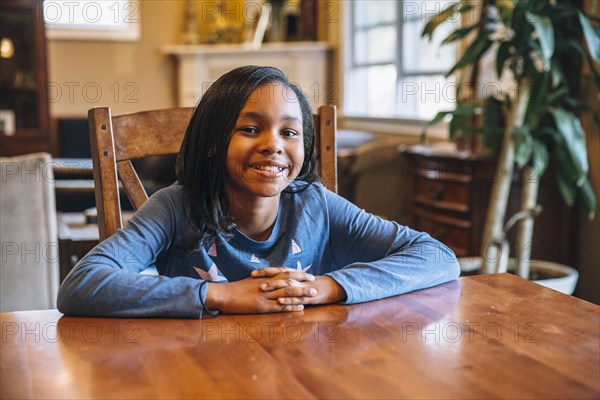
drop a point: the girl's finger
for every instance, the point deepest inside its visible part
(287, 278)
(289, 291)
(269, 272)
(294, 300)
(288, 308)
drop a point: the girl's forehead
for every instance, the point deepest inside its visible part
(273, 93)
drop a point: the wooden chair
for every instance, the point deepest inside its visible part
(116, 140)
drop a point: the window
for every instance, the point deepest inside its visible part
(117, 20)
(391, 72)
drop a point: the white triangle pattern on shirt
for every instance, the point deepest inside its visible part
(303, 269)
(295, 248)
(212, 274)
(254, 259)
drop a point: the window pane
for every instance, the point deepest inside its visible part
(421, 55)
(375, 45)
(369, 12)
(85, 13)
(421, 97)
(372, 91)
(423, 9)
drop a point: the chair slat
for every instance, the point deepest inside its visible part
(105, 171)
(327, 147)
(150, 133)
(132, 183)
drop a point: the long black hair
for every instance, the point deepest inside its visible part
(201, 163)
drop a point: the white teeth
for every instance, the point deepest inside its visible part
(270, 168)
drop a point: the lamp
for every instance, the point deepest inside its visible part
(7, 48)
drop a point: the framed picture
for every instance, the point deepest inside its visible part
(7, 122)
(256, 25)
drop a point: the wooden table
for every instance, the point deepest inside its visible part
(493, 336)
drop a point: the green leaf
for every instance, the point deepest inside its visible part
(591, 36)
(458, 125)
(539, 157)
(557, 74)
(460, 33)
(473, 53)
(569, 126)
(438, 19)
(439, 117)
(565, 187)
(557, 95)
(545, 31)
(564, 162)
(589, 198)
(523, 145)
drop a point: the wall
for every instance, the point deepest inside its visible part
(128, 76)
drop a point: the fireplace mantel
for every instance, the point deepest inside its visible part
(305, 63)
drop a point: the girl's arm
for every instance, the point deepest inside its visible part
(373, 258)
(106, 282)
(379, 258)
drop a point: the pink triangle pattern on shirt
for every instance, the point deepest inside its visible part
(295, 248)
(254, 259)
(212, 275)
(213, 250)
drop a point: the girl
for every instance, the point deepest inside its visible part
(247, 228)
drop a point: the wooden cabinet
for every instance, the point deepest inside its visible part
(448, 193)
(24, 120)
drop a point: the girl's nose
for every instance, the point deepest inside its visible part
(271, 143)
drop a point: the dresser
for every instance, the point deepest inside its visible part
(447, 196)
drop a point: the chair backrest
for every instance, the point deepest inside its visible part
(116, 140)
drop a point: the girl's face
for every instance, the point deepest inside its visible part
(266, 150)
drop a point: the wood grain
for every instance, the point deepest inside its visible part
(493, 336)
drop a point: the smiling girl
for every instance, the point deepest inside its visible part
(247, 228)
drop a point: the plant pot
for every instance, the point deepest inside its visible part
(546, 273)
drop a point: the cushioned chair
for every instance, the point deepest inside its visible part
(29, 265)
(117, 140)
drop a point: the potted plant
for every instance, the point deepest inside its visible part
(538, 47)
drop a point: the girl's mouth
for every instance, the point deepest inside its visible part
(268, 168)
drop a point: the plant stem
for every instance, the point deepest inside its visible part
(493, 233)
(530, 186)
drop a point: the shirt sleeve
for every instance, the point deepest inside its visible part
(379, 258)
(107, 281)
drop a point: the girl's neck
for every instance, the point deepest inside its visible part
(255, 217)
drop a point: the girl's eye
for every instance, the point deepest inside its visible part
(249, 129)
(289, 133)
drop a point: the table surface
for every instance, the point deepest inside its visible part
(492, 336)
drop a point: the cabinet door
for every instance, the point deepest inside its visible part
(24, 121)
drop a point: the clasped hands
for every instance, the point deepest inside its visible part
(273, 289)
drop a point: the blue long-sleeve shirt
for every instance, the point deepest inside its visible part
(315, 231)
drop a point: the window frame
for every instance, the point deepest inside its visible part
(380, 124)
